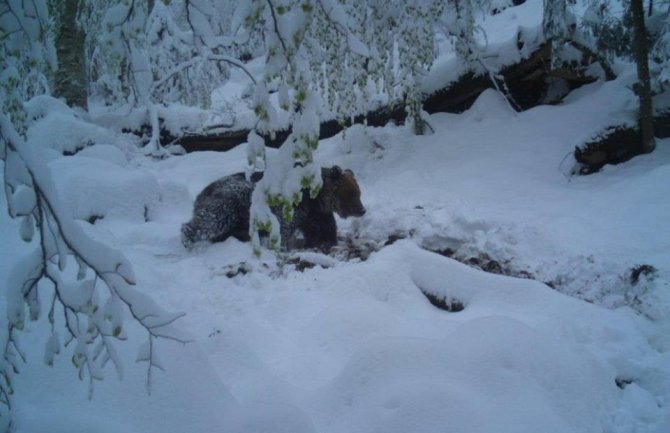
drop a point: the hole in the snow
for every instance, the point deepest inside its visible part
(446, 303)
(622, 382)
(93, 218)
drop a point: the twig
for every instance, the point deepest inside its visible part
(506, 93)
(338, 26)
(609, 72)
(276, 25)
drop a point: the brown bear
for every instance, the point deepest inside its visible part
(222, 210)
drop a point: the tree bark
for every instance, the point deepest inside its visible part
(643, 87)
(71, 77)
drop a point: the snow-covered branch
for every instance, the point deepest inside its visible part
(275, 23)
(93, 305)
(194, 61)
(334, 51)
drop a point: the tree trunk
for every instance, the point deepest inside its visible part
(643, 87)
(71, 78)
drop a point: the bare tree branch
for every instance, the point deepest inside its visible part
(276, 26)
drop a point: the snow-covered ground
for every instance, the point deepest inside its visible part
(355, 345)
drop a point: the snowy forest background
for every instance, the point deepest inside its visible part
(507, 276)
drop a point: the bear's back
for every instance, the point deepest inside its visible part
(233, 187)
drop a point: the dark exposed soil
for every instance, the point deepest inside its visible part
(646, 271)
(241, 269)
(301, 264)
(486, 263)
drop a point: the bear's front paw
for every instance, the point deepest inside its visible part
(188, 237)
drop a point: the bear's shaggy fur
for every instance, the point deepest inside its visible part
(222, 210)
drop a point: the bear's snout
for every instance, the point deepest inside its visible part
(353, 211)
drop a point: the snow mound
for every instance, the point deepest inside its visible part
(179, 118)
(519, 358)
(490, 105)
(275, 418)
(176, 119)
(356, 136)
(490, 374)
(105, 152)
(65, 133)
(42, 105)
(92, 187)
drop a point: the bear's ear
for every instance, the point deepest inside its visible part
(336, 172)
(349, 172)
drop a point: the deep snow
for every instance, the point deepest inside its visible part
(354, 345)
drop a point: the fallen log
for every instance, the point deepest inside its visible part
(616, 144)
(227, 140)
(525, 84)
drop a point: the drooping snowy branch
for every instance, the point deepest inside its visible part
(120, 66)
(288, 23)
(93, 305)
(90, 304)
(561, 31)
(183, 68)
(26, 59)
(147, 54)
(337, 54)
(417, 51)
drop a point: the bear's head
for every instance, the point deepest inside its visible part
(340, 192)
